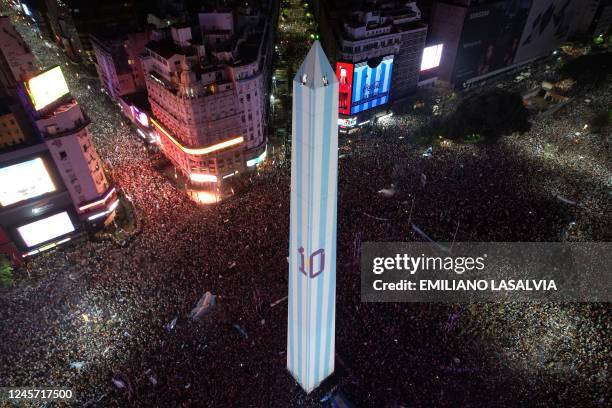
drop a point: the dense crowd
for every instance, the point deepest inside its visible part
(112, 322)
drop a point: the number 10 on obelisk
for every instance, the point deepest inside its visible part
(312, 239)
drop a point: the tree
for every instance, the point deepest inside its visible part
(589, 70)
(490, 114)
(6, 271)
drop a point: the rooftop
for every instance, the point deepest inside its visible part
(166, 48)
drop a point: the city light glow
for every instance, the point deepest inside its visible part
(203, 178)
(98, 202)
(200, 151)
(140, 116)
(431, 57)
(258, 159)
(205, 197)
(46, 247)
(110, 209)
(23, 181)
(47, 87)
(349, 122)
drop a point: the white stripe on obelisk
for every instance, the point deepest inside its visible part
(293, 325)
(306, 167)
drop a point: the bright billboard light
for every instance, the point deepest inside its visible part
(371, 83)
(344, 73)
(431, 57)
(46, 229)
(140, 116)
(258, 159)
(349, 122)
(203, 178)
(47, 87)
(23, 181)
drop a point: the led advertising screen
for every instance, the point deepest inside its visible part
(23, 181)
(431, 57)
(371, 83)
(344, 72)
(349, 122)
(46, 229)
(490, 38)
(47, 87)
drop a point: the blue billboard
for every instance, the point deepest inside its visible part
(371, 83)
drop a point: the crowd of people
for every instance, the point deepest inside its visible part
(113, 322)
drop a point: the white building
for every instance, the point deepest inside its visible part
(209, 98)
(16, 61)
(64, 130)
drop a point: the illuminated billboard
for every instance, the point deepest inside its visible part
(140, 117)
(490, 38)
(371, 83)
(344, 73)
(347, 123)
(46, 229)
(547, 27)
(431, 57)
(47, 87)
(23, 181)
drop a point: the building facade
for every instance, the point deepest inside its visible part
(16, 61)
(385, 35)
(593, 18)
(72, 21)
(209, 97)
(482, 39)
(117, 61)
(52, 182)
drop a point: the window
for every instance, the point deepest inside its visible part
(248, 96)
(63, 155)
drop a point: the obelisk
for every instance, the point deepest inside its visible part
(312, 240)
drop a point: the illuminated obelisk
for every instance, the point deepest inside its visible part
(312, 240)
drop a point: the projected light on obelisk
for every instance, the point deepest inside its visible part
(312, 241)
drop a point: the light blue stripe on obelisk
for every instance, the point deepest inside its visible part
(315, 243)
(303, 134)
(312, 136)
(330, 285)
(296, 218)
(325, 229)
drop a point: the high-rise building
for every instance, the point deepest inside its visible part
(483, 38)
(72, 21)
(13, 128)
(208, 87)
(52, 184)
(16, 61)
(376, 47)
(118, 61)
(593, 18)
